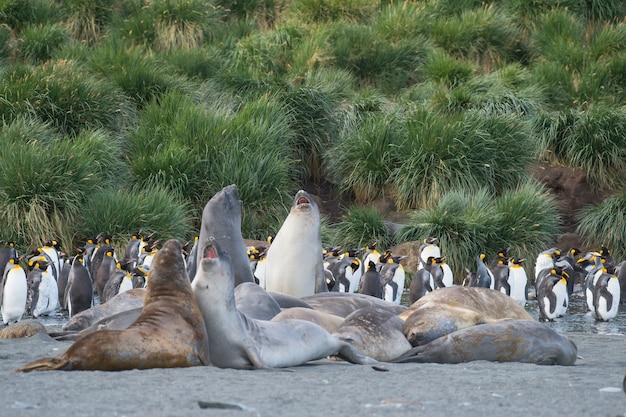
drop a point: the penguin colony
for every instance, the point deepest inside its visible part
(47, 280)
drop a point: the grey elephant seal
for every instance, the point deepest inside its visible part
(221, 219)
(294, 263)
(328, 321)
(127, 300)
(169, 333)
(374, 332)
(343, 303)
(243, 343)
(454, 308)
(507, 341)
(255, 302)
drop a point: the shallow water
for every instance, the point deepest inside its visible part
(578, 319)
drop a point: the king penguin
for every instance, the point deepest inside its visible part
(14, 292)
(551, 295)
(518, 281)
(484, 276)
(371, 283)
(428, 248)
(79, 290)
(392, 274)
(45, 298)
(606, 297)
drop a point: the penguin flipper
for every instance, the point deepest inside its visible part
(46, 364)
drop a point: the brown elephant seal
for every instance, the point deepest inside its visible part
(169, 333)
(374, 332)
(127, 300)
(506, 341)
(243, 343)
(221, 219)
(454, 308)
(294, 262)
(328, 321)
(344, 303)
(24, 328)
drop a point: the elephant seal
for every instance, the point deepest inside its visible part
(374, 332)
(449, 309)
(169, 333)
(526, 341)
(127, 300)
(328, 321)
(117, 321)
(294, 262)
(243, 343)
(221, 219)
(343, 303)
(255, 302)
(24, 328)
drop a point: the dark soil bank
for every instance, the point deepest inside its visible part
(592, 387)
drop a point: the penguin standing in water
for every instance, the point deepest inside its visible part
(606, 297)
(592, 277)
(79, 290)
(552, 295)
(371, 282)
(545, 260)
(518, 281)
(14, 291)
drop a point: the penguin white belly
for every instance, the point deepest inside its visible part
(399, 278)
(517, 282)
(562, 299)
(428, 251)
(48, 300)
(543, 262)
(259, 272)
(14, 295)
(354, 277)
(448, 280)
(126, 284)
(604, 311)
(548, 309)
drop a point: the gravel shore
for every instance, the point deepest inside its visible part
(592, 387)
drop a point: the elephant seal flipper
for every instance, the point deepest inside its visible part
(170, 316)
(506, 341)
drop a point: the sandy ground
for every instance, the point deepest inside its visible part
(592, 387)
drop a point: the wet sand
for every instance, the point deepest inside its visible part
(592, 387)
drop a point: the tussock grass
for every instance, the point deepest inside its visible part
(61, 93)
(468, 223)
(45, 179)
(121, 212)
(141, 76)
(364, 160)
(360, 226)
(39, 42)
(604, 224)
(469, 151)
(592, 139)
